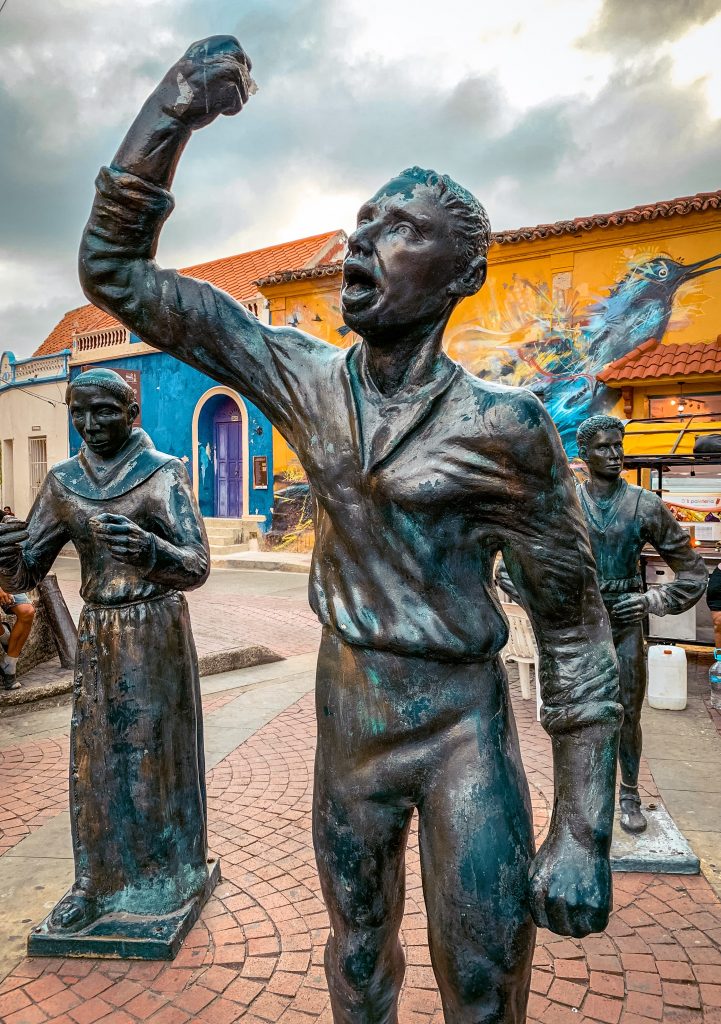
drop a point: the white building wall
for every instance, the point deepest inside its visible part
(24, 415)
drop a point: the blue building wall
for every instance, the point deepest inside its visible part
(169, 393)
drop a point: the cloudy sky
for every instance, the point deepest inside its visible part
(545, 109)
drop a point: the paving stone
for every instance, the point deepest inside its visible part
(257, 952)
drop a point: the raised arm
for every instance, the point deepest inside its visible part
(548, 557)
(190, 319)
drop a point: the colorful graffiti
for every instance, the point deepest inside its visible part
(555, 340)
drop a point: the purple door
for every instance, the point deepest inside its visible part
(228, 469)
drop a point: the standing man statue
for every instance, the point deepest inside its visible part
(621, 519)
(421, 474)
(137, 782)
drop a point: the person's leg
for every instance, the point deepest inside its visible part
(361, 814)
(476, 842)
(24, 615)
(360, 851)
(632, 673)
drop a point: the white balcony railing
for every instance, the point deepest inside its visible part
(92, 341)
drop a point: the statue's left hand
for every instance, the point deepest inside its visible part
(570, 887)
(126, 541)
(631, 608)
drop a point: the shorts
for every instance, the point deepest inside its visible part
(17, 599)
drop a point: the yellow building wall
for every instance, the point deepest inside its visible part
(312, 306)
(555, 311)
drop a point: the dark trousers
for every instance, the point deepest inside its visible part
(631, 654)
(401, 733)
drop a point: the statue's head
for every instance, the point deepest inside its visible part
(419, 247)
(600, 445)
(103, 408)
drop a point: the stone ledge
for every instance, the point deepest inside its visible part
(50, 680)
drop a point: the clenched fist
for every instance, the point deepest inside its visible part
(211, 78)
(570, 886)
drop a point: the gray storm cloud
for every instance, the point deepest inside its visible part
(73, 74)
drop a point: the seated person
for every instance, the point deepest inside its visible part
(14, 639)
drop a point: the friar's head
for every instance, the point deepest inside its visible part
(103, 408)
(600, 445)
(419, 247)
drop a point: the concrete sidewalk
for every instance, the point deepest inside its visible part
(274, 561)
(256, 953)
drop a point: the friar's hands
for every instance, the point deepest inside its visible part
(630, 608)
(570, 887)
(211, 78)
(126, 541)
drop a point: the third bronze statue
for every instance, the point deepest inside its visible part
(621, 519)
(421, 474)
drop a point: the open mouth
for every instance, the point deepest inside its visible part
(359, 283)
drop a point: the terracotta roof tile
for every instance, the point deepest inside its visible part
(698, 203)
(653, 360)
(302, 274)
(234, 274)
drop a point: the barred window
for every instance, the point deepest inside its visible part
(38, 457)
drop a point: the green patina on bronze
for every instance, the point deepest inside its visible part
(421, 475)
(137, 774)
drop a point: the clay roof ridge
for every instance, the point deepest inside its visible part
(301, 273)
(682, 205)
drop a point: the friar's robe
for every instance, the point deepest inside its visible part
(137, 791)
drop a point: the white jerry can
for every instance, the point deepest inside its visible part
(667, 677)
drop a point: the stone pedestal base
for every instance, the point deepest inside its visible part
(660, 848)
(126, 936)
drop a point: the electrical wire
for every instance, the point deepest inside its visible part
(16, 387)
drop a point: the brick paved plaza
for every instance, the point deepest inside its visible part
(256, 953)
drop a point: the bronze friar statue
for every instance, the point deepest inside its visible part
(137, 778)
(421, 474)
(621, 519)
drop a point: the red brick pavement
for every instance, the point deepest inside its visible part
(285, 625)
(34, 780)
(33, 787)
(256, 954)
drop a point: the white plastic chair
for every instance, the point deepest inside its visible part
(522, 649)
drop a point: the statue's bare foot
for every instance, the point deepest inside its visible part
(73, 912)
(632, 820)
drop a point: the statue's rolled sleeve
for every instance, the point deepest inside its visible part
(276, 367)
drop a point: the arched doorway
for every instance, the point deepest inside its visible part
(220, 454)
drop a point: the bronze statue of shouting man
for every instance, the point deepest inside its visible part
(422, 473)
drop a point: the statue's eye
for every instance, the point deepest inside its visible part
(663, 272)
